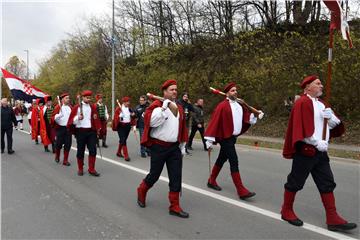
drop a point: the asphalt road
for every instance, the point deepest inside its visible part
(43, 199)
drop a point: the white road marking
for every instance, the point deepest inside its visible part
(231, 201)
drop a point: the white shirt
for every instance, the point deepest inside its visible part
(124, 115)
(237, 116)
(164, 125)
(319, 122)
(86, 121)
(63, 116)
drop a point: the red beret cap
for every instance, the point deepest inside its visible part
(86, 93)
(308, 80)
(63, 95)
(98, 96)
(125, 99)
(229, 86)
(47, 98)
(168, 83)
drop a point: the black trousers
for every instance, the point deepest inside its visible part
(123, 132)
(320, 170)
(228, 152)
(9, 138)
(63, 137)
(195, 128)
(173, 159)
(85, 139)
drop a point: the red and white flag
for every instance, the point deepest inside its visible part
(21, 89)
(338, 19)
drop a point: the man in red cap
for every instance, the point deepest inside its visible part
(47, 133)
(104, 116)
(35, 119)
(304, 144)
(124, 118)
(59, 119)
(85, 123)
(165, 134)
(229, 120)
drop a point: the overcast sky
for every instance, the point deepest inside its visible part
(40, 25)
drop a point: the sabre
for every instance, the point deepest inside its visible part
(136, 138)
(257, 113)
(172, 106)
(209, 155)
(98, 145)
(117, 100)
(59, 102)
(80, 104)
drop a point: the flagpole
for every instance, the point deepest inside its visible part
(328, 79)
(113, 62)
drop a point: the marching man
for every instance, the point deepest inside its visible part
(124, 118)
(84, 118)
(35, 120)
(304, 144)
(104, 116)
(47, 133)
(165, 134)
(59, 120)
(229, 120)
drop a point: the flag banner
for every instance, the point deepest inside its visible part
(21, 89)
(338, 19)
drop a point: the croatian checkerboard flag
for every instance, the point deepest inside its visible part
(21, 89)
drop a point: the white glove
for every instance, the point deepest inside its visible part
(326, 113)
(134, 128)
(182, 148)
(261, 115)
(166, 104)
(209, 144)
(58, 116)
(322, 145)
(253, 119)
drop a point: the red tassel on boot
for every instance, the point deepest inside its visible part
(241, 189)
(212, 179)
(333, 220)
(175, 208)
(57, 155)
(91, 169)
(80, 163)
(119, 151)
(141, 191)
(287, 211)
(126, 154)
(66, 156)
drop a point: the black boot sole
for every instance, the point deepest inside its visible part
(251, 194)
(296, 222)
(217, 188)
(95, 174)
(180, 214)
(80, 173)
(342, 227)
(141, 204)
(66, 164)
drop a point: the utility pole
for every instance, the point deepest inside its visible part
(27, 64)
(113, 61)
